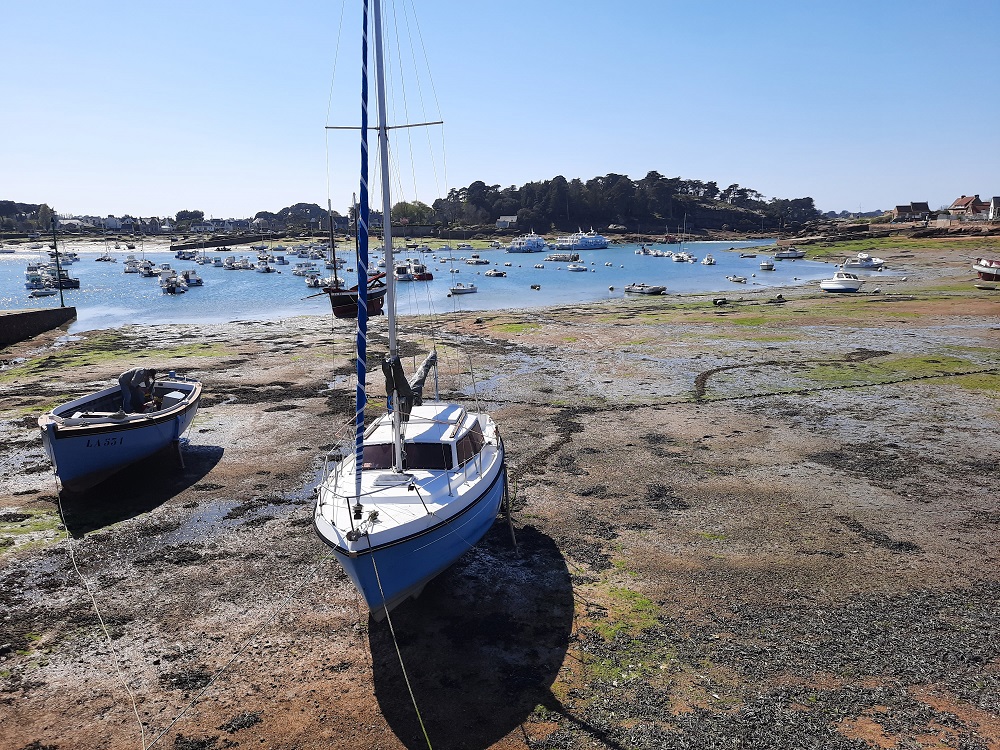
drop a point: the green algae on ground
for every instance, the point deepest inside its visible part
(516, 327)
(629, 613)
(103, 349)
(888, 369)
(980, 382)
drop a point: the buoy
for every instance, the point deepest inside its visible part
(611, 288)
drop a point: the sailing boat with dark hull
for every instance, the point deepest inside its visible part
(425, 480)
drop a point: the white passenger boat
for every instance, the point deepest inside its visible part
(90, 438)
(528, 243)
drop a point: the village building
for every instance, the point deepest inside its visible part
(969, 206)
(918, 211)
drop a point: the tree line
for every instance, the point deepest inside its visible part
(608, 201)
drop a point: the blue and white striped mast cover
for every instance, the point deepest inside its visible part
(362, 337)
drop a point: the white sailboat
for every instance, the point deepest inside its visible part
(423, 483)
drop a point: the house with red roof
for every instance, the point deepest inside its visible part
(968, 205)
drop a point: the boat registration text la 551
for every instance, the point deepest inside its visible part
(108, 442)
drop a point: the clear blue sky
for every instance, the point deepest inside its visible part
(151, 108)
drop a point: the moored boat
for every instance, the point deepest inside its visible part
(842, 281)
(865, 261)
(90, 438)
(643, 288)
(528, 243)
(424, 482)
(461, 288)
(789, 253)
(987, 269)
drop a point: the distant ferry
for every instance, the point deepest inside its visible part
(582, 241)
(529, 243)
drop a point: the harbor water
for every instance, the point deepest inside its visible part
(108, 297)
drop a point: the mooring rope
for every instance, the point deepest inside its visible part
(100, 617)
(399, 653)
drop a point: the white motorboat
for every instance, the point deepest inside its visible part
(423, 483)
(987, 269)
(864, 261)
(576, 267)
(461, 288)
(736, 279)
(842, 281)
(496, 273)
(708, 260)
(643, 288)
(789, 253)
(767, 265)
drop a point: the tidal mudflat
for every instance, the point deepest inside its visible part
(771, 524)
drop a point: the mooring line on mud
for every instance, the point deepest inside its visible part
(247, 641)
(100, 617)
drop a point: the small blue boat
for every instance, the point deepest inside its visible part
(91, 438)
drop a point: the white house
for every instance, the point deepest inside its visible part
(506, 222)
(112, 223)
(995, 208)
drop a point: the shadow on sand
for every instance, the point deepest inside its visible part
(137, 489)
(481, 645)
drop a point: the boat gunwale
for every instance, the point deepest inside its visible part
(62, 430)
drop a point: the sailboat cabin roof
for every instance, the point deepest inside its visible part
(428, 423)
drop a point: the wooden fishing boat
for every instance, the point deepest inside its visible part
(91, 438)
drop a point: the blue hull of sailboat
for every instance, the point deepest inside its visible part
(389, 574)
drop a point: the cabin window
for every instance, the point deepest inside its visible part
(470, 444)
(377, 456)
(427, 455)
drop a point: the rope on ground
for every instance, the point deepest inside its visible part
(399, 654)
(280, 607)
(100, 617)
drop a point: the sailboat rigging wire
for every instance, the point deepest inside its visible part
(475, 388)
(329, 101)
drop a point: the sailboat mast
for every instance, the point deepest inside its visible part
(383, 143)
(390, 266)
(361, 398)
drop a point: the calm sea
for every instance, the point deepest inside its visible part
(108, 297)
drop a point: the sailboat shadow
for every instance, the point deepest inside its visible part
(137, 489)
(481, 645)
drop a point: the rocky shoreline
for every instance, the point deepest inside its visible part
(763, 525)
